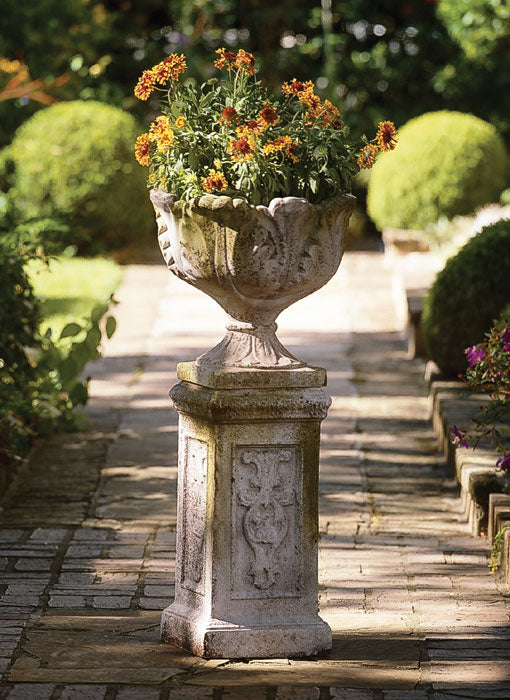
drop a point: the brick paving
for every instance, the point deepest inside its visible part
(87, 533)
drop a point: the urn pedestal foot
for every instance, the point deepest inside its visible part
(247, 530)
(221, 639)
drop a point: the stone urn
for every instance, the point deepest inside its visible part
(254, 261)
(249, 428)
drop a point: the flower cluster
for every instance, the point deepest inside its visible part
(385, 140)
(232, 136)
(489, 371)
(168, 69)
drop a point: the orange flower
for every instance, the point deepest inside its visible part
(143, 149)
(368, 155)
(296, 88)
(161, 132)
(180, 122)
(386, 136)
(145, 85)
(246, 61)
(170, 67)
(214, 181)
(268, 115)
(252, 127)
(242, 149)
(229, 114)
(226, 60)
(282, 144)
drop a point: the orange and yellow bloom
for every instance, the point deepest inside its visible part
(180, 122)
(228, 115)
(242, 149)
(143, 149)
(161, 132)
(296, 88)
(386, 136)
(215, 181)
(145, 85)
(242, 60)
(268, 115)
(283, 144)
(170, 68)
(367, 157)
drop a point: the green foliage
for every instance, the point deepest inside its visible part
(74, 162)
(471, 291)
(446, 164)
(39, 382)
(301, 149)
(70, 288)
(497, 549)
(476, 25)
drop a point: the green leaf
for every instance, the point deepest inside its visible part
(111, 325)
(70, 330)
(98, 312)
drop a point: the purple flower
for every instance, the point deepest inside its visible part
(505, 336)
(475, 354)
(458, 437)
(504, 462)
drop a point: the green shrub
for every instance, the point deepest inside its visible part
(471, 291)
(40, 384)
(74, 161)
(445, 164)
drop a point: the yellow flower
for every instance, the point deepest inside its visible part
(386, 136)
(215, 181)
(283, 144)
(142, 149)
(170, 67)
(152, 178)
(145, 85)
(161, 132)
(296, 88)
(368, 155)
(242, 149)
(268, 115)
(180, 122)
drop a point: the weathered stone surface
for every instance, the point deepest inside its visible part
(246, 570)
(254, 261)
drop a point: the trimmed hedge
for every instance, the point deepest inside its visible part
(445, 164)
(468, 294)
(74, 162)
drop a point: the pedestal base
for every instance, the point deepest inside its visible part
(247, 526)
(220, 639)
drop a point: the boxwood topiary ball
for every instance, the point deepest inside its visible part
(468, 294)
(75, 160)
(445, 164)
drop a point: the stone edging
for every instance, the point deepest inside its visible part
(485, 508)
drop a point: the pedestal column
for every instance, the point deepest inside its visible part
(247, 530)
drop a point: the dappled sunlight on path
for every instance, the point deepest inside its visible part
(88, 533)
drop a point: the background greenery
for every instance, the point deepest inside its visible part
(391, 59)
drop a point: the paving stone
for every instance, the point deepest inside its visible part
(111, 602)
(351, 694)
(38, 564)
(66, 601)
(31, 691)
(48, 534)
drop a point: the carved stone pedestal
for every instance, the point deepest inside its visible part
(246, 573)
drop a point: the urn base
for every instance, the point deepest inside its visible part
(222, 639)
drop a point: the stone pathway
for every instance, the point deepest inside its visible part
(87, 534)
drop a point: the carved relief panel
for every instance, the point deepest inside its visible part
(194, 514)
(266, 521)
